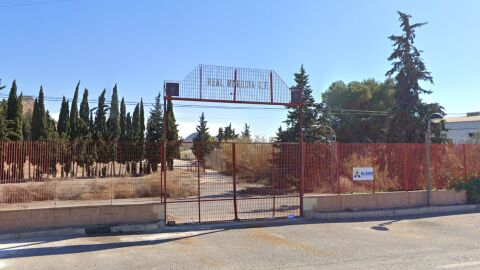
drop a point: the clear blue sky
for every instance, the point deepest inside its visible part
(139, 44)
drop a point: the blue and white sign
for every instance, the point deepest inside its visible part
(363, 174)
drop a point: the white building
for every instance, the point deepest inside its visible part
(463, 129)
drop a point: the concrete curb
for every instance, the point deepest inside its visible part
(403, 212)
(84, 231)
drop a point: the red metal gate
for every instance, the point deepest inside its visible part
(232, 181)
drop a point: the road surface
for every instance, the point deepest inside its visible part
(445, 242)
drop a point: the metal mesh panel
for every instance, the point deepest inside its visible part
(235, 85)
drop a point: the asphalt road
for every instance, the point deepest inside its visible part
(447, 242)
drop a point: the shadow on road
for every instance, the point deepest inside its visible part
(9, 253)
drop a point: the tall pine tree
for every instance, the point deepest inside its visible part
(154, 134)
(246, 135)
(201, 147)
(63, 118)
(406, 125)
(312, 114)
(155, 122)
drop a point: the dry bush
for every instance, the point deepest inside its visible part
(25, 193)
(383, 182)
(253, 161)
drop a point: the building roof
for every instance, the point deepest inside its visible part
(462, 119)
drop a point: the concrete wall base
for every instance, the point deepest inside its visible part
(85, 216)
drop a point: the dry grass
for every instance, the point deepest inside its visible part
(383, 182)
(253, 161)
(148, 186)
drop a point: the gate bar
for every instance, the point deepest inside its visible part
(234, 180)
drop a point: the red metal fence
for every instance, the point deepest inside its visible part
(398, 167)
(218, 181)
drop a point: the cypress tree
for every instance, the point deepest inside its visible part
(113, 123)
(63, 118)
(129, 128)
(74, 114)
(136, 123)
(172, 135)
(200, 147)
(3, 121)
(39, 118)
(83, 120)
(123, 120)
(142, 121)
(101, 118)
(14, 114)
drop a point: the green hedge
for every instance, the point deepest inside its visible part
(471, 185)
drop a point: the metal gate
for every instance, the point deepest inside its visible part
(226, 181)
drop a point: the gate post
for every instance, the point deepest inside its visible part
(302, 165)
(234, 180)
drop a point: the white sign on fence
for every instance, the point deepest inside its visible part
(363, 173)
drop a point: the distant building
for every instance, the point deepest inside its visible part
(463, 129)
(27, 104)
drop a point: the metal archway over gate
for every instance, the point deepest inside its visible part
(224, 181)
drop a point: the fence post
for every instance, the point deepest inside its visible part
(337, 164)
(405, 169)
(273, 179)
(373, 166)
(234, 180)
(199, 151)
(465, 171)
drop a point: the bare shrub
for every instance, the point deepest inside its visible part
(23, 193)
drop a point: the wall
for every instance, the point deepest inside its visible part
(75, 216)
(381, 200)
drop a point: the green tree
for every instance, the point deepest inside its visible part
(220, 135)
(4, 133)
(39, 118)
(229, 133)
(129, 128)
(155, 122)
(136, 123)
(359, 105)
(101, 118)
(154, 134)
(312, 114)
(74, 114)
(63, 120)
(14, 114)
(113, 124)
(246, 135)
(83, 119)
(142, 122)
(173, 150)
(201, 147)
(123, 120)
(408, 69)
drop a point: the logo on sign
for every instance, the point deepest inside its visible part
(363, 173)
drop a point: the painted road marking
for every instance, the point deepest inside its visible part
(458, 265)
